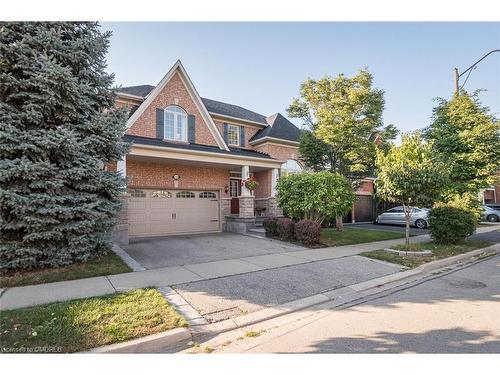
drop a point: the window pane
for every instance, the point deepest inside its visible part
(185, 194)
(233, 135)
(291, 166)
(181, 128)
(169, 125)
(175, 123)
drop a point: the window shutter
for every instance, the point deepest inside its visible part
(225, 132)
(191, 129)
(242, 136)
(160, 123)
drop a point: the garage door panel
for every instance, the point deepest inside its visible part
(137, 229)
(137, 204)
(156, 212)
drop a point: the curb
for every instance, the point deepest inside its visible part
(343, 295)
(146, 344)
(129, 261)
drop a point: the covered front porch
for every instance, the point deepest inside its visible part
(169, 177)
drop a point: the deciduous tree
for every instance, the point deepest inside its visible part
(467, 138)
(344, 117)
(410, 175)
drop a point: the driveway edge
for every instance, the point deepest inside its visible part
(347, 294)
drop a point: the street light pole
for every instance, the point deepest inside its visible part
(457, 75)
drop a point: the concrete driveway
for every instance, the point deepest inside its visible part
(159, 252)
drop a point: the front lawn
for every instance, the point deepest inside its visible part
(87, 323)
(438, 252)
(350, 236)
(108, 264)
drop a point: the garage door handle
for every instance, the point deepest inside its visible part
(214, 220)
(174, 216)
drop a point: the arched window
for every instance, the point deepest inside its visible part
(290, 167)
(175, 123)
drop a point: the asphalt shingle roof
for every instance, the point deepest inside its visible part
(141, 90)
(193, 146)
(233, 111)
(276, 126)
(279, 127)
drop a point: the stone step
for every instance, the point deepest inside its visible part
(259, 231)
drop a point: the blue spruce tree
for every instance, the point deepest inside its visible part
(58, 129)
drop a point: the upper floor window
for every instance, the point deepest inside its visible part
(233, 135)
(291, 166)
(175, 123)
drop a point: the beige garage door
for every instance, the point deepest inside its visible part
(156, 212)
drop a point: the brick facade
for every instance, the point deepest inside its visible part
(249, 131)
(159, 175)
(280, 152)
(263, 190)
(174, 93)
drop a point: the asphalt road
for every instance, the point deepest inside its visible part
(456, 313)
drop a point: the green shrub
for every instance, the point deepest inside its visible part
(285, 228)
(315, 196)
(270, 225)
(451, 224)
(308, 232)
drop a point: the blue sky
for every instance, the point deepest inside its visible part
(261, 65)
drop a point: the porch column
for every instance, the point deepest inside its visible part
(245, 175)
(274, 181)
(246, 200)
(272, 206)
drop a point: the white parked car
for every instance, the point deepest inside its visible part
(396, 216)
(490, 214)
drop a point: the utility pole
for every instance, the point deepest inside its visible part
(457, 75)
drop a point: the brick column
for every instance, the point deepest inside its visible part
(247, 206)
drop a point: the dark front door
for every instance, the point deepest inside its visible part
(234, 193)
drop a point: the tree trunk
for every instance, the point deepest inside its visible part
(339, 224)
(407, 232)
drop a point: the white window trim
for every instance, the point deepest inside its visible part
(237, 135)
(176, 114)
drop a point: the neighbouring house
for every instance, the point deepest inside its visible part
(190, 157)
(491, 195)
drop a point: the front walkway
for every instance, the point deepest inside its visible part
(33, 295)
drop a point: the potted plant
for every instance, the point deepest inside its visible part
(250, 183)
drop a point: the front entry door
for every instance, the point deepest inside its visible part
(234, 193)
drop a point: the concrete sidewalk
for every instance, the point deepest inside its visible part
(33, 295)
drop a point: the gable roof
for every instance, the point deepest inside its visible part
(279, 128)
(178, 67)
(231, 110)
(276, 127)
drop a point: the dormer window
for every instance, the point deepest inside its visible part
(175, 124)
(233, 135)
